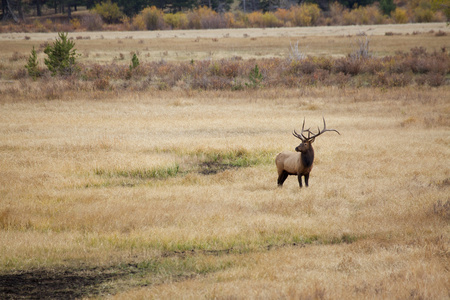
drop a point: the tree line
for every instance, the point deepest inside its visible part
(132, 7)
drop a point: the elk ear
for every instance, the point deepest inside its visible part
(312, 140)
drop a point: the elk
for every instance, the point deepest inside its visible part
(299, 163)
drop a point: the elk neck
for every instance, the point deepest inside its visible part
(307, 157)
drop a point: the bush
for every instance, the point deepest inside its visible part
(363, 15)
(92, 21)
(61, 56)
(255, 19)
(399, 16)
(76, 24)
(270, 20)
(38, 27)
(205, 18)
(282, 14)
(435, 79)
(152, 18)
(138, 23)
(176, 21)
(423, 15)
(336, 13)
(362, 49)
(110, 12)
(347, 66)
(305, 14)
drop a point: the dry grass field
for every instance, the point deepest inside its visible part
(173, 194)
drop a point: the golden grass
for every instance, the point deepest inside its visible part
(373, 223)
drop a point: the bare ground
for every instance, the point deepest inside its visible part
(56, 284)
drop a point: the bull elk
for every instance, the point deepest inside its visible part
(300, 162)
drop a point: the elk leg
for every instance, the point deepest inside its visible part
(306, 179)
(282, 177)
(300, 180)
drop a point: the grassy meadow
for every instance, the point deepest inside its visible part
(173, 193)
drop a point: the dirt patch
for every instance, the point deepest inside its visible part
(57, 284)
(214, 167)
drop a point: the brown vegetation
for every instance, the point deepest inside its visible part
(416, 67)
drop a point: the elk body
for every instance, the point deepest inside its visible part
(299, 163)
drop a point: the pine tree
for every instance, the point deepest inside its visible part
(32, 65)
(387, 6)
(134, 62)
(61, 56)
(255, 78)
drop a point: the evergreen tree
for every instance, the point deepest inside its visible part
(387, 6)
(61, 56)
(32, 65)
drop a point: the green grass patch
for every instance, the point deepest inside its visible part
(151, 173)
(241, 243)
(238, 158)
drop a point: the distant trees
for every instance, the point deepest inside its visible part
(351, 11)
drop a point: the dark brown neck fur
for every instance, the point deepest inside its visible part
(307, 157)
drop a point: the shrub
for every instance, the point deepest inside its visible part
(363, 15)
(230, 21)
(270, 20)
(16, 56)
(362, 49)
(336, 13)
(110, 12)
(399, 16)
(92, 21)
(32, 65)
(204, 18)
(38, 27)
(305, 14)
(295, 54)
(399, 80)
(138, 23)
(176, 21)
(241, 19)
(153, 18)
(282, 15)
(423, 15)
(255, 19)
(347, 66)
(102, 84)
(61, 56)
(230, 69)
(76, 24)
(435, 79)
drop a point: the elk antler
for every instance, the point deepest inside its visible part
(322, 131)
(304, 138)
(301, 136)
